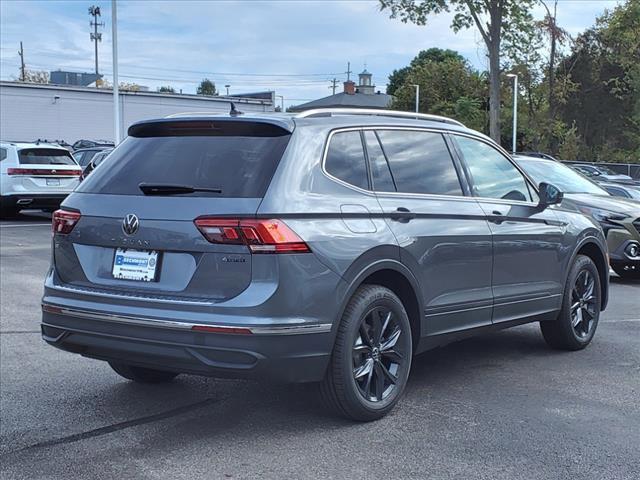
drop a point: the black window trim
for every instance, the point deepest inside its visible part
(469, 180)
(465, 197)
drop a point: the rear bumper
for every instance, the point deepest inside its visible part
(288, 353)
(34, 200)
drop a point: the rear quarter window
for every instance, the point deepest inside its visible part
(3, 154)
(239, 161)
(345, 159)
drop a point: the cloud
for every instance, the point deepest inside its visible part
(232, 42)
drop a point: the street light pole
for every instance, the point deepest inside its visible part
(116, 100)
(281, 97)
(515, 108)
(417, 87)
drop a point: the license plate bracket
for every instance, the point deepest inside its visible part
(138, 265)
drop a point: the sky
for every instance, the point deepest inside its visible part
(294, 47)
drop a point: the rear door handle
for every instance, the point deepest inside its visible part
(497, 217)
(402, 215)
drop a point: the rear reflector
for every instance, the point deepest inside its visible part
(207, 329)
(64, 221)
(261, 236)
(43, 172)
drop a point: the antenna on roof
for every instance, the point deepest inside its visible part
(234, 111)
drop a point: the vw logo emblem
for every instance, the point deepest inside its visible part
(130, 224)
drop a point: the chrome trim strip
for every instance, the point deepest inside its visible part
(495, 304)
(128, 297)
(171, 324)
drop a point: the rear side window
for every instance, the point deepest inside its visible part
(3, 154)
(345, 159)
(420, 162)
(45, 156)
(238, 161)
(380, 172)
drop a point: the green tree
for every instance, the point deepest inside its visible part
(166, 89)
(207, 87)
(497, 21)
(603, 77)
(398, 77)
(464, 98)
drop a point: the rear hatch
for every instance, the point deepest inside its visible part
(46, 170)
(136, 233)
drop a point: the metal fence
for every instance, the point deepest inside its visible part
(631, 169)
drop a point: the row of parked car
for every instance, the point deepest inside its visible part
(40, 175)
(617, 184)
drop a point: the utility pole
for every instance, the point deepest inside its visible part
(114, 51)
(334, 85)
(22, 73)
(515, 109)
(348, 72)
(417, 87)
(95, 36)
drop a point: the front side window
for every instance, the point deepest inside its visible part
(492, 174)
(420, 162)
(345, 159)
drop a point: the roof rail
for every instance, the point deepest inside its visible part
(327, 112)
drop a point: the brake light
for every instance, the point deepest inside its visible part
(64, 221)
(39, 172)
(261, 236)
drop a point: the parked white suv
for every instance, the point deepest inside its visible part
(35, 175)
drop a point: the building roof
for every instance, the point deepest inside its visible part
(356, 100)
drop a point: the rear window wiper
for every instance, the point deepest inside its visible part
(170, 189)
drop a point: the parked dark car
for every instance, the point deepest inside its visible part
(619, 218)
(95, 161)
(537, 155)
(81, 144)
(85, 155)
(330, 246)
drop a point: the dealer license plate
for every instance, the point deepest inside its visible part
(140, 265)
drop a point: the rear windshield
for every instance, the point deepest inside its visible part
(238, 165)
(45, 156)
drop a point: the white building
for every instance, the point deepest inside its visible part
(33, 111)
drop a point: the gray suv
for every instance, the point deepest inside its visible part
(330, 246)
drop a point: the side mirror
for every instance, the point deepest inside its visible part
(549, 195)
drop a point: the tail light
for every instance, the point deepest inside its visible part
(261, 236)
(39, 172)
(64, 221)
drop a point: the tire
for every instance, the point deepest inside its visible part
(577, 322)
(628, 273)
(374, 344)
(141, 374)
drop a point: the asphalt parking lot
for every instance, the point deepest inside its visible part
(501, 406)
